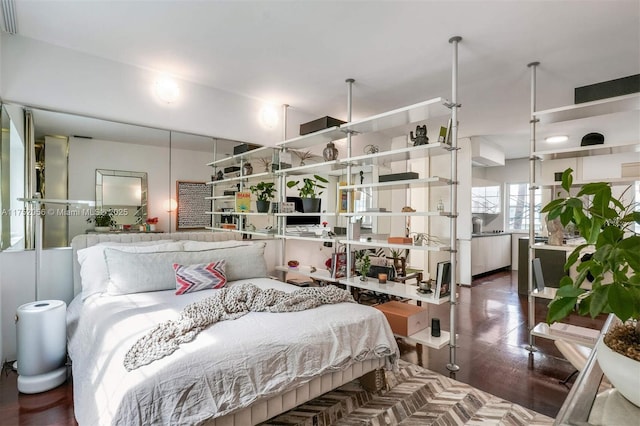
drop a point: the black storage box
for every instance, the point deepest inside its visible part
(229, 192)
(231, 169)
(398, 176)
(319, 124)
(244, 147)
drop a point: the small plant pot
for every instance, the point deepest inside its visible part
(262, 206)
(311, 205)
(102, 228)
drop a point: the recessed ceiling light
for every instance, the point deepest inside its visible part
(269, 116)
(167, 90)
(557, 139)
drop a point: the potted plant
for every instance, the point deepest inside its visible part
(363, 264)
(606, 223)
(264, 192)
(309, 191)
(103, 220)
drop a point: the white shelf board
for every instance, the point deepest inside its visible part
(306, 214)
(306, 238)
(247, 177)
(262, 152)
(542, 330)
(327, 166)
(384, 244)
(613, 181)
(590, 109)
(392, 288)
(401, 154)
(399, 117)
(425, 338)
(312, 139)
(238, 213)
(546, 293)
(238, 231)
(318, 274)
(587, 151)
(392, 214)
(221, 197)
(407, 182)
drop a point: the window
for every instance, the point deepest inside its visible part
(485, 199)
(518, 207)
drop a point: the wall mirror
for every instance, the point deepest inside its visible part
(124, 192)
(70, 148)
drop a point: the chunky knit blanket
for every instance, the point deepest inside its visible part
(226, 304)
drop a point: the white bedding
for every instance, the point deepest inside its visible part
(228, 366)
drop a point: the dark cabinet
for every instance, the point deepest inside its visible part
(552, 262)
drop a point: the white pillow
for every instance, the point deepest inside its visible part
(191, 245)
(93, 269)
(143, 272)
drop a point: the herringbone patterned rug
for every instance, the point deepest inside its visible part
(414, 396)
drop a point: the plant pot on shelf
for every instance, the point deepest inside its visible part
(102, 228)
(622, 371)
(311, 205)
(263, 206)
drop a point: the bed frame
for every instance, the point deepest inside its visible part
(261, 410)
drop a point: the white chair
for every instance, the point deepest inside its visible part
(576, 354)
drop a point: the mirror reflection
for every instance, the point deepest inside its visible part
(67, 150)
(125, 193)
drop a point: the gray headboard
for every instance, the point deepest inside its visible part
(83, 241)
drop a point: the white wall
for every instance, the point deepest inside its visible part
(39, 74)
(17, 278)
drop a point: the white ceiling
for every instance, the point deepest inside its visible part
(300, 52)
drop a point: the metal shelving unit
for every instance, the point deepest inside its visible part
(564, 116)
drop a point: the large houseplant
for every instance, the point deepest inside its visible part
(309, 192)
(264, 193)
(607, 225)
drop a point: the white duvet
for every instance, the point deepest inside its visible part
(228, 366)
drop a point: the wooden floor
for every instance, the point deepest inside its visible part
(491, 355)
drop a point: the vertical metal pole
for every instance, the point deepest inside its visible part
(38, 244)
(452, 366)
(281, 221)
(532, 202)
(350, 219)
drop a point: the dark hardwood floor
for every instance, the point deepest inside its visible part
(492, 333)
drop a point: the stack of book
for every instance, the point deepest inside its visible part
(587, 335)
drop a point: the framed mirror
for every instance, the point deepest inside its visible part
(124, 192)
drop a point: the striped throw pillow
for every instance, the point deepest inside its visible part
(190, 278)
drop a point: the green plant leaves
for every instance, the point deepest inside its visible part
(615, 261)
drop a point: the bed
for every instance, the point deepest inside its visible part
(237, 372)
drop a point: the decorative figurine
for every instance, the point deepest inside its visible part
(420, 137)
(330, 152)
(247, 169)
(219, 175)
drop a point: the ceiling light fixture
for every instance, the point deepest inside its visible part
(557, 139)
(269, 117)
(167, 90)
(9, 16)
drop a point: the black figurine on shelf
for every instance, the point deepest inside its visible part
(420, 137)
(219, 175)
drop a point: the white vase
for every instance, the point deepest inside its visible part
(623, 372)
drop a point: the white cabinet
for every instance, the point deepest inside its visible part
(489, 253)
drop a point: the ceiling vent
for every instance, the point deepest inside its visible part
(9, 16)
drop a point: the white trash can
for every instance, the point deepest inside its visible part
(41, 330)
